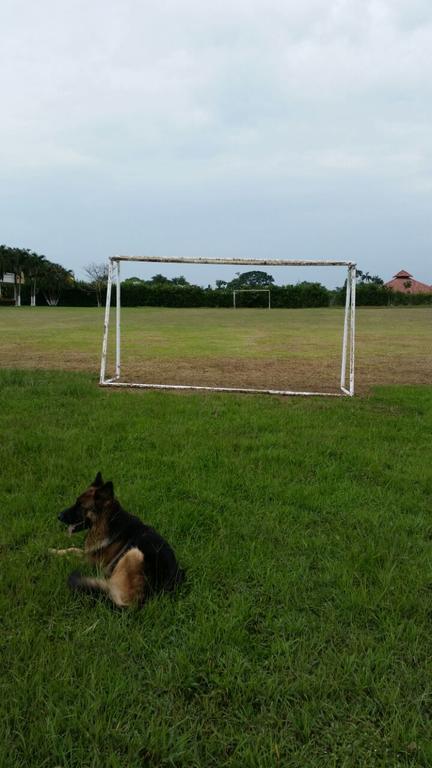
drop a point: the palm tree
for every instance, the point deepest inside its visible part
(13, 260)
(28, 265)
(34, 268)
(53, 279)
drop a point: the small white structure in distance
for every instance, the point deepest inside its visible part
(9, 278)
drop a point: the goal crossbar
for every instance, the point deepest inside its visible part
(348, 340)
(245, 262)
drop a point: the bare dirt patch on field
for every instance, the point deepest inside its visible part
(234, 372)
(316, 375)
(297, 374)
(25, 357)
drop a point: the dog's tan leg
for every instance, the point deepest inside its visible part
(68, 551)
(126, 585)
(127, 582)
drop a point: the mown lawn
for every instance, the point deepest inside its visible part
(303, 635)
(281, 348)
(29, 334)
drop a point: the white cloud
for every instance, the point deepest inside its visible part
(251, 94)
(114, 82)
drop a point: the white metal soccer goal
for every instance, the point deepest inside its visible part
(348, 332)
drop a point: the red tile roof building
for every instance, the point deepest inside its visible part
(403, 282)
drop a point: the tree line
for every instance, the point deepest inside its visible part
(36, 280)
(33, 273)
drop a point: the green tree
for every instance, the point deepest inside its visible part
(98, 274)
(133, 281)
(25, 265)
(366, 277)
(53, 280)
(253, 279)
(159, 280)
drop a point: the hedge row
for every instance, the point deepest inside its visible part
(311, 295)
(373, 295)
(301, 295)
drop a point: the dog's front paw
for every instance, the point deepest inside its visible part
(74, 579)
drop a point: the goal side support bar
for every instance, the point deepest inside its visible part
(348, 341)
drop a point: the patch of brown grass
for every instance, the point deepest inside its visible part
(394, 346)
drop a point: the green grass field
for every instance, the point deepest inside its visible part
(286, 348)
(302, 636)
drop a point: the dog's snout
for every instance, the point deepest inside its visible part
(62, 516)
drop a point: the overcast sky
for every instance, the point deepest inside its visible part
(262, 128)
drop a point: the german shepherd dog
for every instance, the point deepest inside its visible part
(136, 560)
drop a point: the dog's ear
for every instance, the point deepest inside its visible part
(105, 493)
(98, 482)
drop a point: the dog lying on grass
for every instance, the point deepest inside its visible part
(137, 561)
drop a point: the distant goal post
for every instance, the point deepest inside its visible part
(347, 369)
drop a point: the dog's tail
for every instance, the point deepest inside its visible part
(89, 586)
(176, 580)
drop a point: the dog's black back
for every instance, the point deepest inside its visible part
(161, 568)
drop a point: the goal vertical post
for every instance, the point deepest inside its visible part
(352, 329)
(118, 309)
(106, 323)
(345, 328)
(348, 341)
